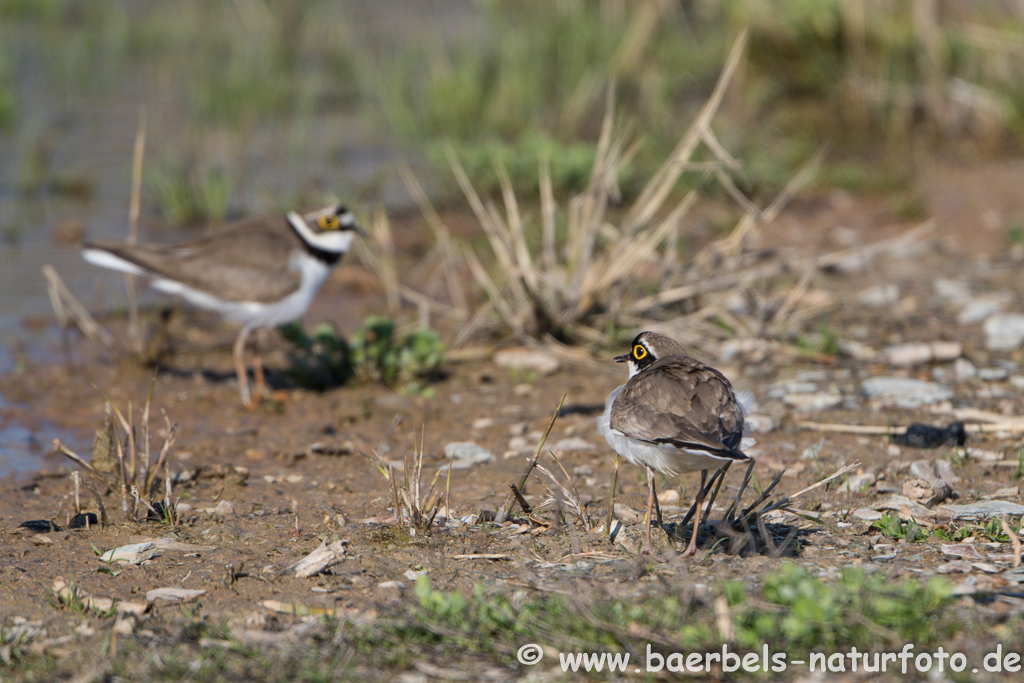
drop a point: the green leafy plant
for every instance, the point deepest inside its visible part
(379, 357)
(321, 359)
(822, 615)
(318, 360)
(993, 531)
(895, 528)
(955, 534)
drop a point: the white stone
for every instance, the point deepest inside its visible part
(573, 443)
(1004, 331)
(132, 554)
(984, 508)
(879, 295)
(527, 359)
(172, 594)
(964, 369)
(466, 454)
(908, 355)
(977, 310)
(904, 392)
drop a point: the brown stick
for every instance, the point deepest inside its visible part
(519, 498)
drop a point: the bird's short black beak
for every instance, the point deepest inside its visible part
(624, 358)
(359, 230)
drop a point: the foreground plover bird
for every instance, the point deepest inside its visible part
(673, 415)
(260, 271)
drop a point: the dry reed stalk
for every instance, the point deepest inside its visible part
(553, 292)
(505, 510)
(67, 308)
(1014, 540)
(134, 328)
(442, 237)
(676, 294)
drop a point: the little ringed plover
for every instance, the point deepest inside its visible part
(673, 415)
(260, 271)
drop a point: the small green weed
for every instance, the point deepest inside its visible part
(373, 353)
(379, 357)
(953, 534)
(895, 528)
(993, 531)
(318, 360)
(854, 610)
(1015, 232)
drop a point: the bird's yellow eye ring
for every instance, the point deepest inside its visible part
(329, 222)
(639, 352)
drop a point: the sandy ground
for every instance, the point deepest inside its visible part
(262, 489)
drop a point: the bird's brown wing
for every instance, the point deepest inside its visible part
(681, 401)
(254, 262)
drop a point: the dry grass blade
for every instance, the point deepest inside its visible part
(134, 328)
(67, 308)
(611, 496)
(559, 494)
(137, 471)
(443, 238)
(548, 210)
(1014, 540)
(71, 455)
(787, 500)
(565, 282)
(496, 298)
(412, 508)
(658, 188)
(499, 239)
(379, 254)
(730, 246)
(506, 509)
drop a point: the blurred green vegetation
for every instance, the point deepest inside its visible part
(872, 79)
(322, 360)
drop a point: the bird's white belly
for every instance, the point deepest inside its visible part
(254, 314)
(663, 458)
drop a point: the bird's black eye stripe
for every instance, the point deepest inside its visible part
(639, 352)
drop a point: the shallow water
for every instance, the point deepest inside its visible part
(86, 134)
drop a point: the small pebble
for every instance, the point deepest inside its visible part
(574, 443)
(904, 392)
(1004, 331)
(812, 403)
(992, 374)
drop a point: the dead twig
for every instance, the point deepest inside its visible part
(134, 328)
(519, 498)
(71, 455)
(68, 308)
(506, 509)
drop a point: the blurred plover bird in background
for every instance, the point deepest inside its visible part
(261, 271)
(673, 415)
